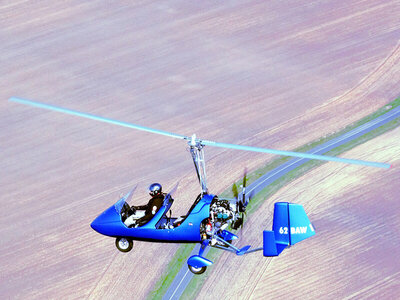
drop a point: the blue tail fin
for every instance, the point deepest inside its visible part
(291, 225)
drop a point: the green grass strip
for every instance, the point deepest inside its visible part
(172, 269)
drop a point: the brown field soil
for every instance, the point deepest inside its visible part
(355, 251)
(269, 74)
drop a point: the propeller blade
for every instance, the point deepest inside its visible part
(235, 191)
(244, 186)
(94, 117)
(243, 217)
(297, 154)
(247, 201)
(245, 178)
(242, 203)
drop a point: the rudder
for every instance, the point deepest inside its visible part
(290, 226)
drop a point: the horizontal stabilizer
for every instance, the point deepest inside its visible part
(243, 250)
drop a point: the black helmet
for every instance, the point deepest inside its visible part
(155, 189)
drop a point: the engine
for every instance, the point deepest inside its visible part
(222, 212)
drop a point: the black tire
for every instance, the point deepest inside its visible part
(236, 225)
(123, 244)
(197, 271)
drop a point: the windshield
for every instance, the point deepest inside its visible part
(118, 206)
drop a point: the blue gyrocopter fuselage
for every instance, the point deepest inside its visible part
(202, 225)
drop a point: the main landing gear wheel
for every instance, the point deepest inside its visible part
(197, 271)
(123, 244)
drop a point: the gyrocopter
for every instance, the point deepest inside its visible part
(209, 217)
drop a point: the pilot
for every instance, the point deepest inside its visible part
(155, 203)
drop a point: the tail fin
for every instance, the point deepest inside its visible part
(291, 225)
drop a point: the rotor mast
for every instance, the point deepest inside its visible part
(196, 150)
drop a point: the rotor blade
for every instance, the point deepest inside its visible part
(94, 117)
(297, 154)
(202, 142)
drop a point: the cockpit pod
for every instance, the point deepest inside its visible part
(161, 228)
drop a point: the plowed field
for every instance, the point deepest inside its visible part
(264, 73)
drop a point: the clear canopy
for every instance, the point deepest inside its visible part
(118, 206)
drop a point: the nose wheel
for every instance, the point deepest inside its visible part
(123, 244)
(197, 271)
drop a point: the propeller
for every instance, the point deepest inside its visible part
(198, 142)
(244, 213)
(242, 203)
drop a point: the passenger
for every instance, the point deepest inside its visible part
(155, 203)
